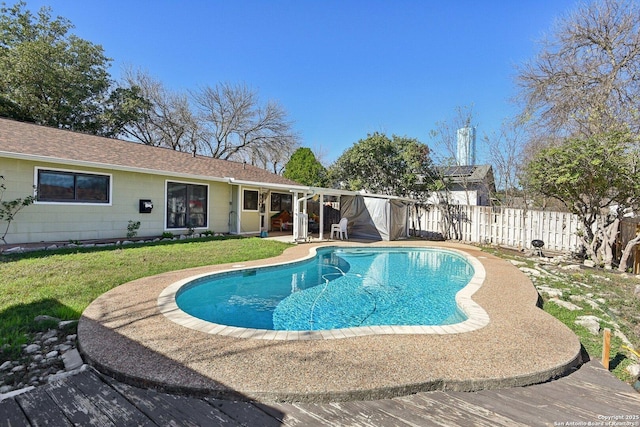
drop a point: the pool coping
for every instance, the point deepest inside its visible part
(123, 334)
(477, 317)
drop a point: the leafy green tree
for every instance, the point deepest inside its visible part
(303, 167)
(379, 164)
(51, 77)
(597, 178)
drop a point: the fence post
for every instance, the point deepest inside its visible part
(606, 347)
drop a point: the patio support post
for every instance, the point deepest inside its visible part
(239, 211)
(321, 224)
(296, 211)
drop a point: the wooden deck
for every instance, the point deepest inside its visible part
(591, 394)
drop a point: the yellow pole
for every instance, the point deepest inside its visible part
(606, 347)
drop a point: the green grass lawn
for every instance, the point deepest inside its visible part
(63, 283)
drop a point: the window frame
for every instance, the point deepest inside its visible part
(257, 191)
(286, 195)
(75, 173)
(166, 205)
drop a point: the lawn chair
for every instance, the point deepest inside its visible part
(341, 229)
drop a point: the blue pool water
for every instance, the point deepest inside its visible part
(339, 288)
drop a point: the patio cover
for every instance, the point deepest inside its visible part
(375, 218)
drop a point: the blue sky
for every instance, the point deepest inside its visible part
(341, 69)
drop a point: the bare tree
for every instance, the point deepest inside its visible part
(586, 78)
(445, 137)
(236, 127)
(506, 150)
(168, 121)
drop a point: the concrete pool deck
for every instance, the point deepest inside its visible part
(124, 334)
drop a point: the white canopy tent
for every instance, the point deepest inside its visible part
(371, 216)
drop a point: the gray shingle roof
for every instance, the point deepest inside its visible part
(22, 139)
(469, 174)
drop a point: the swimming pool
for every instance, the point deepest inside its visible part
(337, 288)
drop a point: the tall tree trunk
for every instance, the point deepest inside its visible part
(610, 232)
(626, 253)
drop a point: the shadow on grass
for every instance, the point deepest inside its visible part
(617, 360)
(102, 246)
(17, 322)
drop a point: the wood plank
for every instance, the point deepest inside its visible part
(585, 398)
(441, 409)
(519, 410)
(119, 410)
(573, 404)
(368, 413)
(299, 416)
(593, 372)
(458, 407)
(76, 405)
(11, 414)
(272, 409)
(248, 413)
(170, 410)
(40, 409)
(398, 410)
(197, 410)
(333, 414)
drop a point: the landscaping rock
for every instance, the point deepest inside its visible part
(566, 304)
(72, 360)
(65, 374)
(50, 353)
(65, 323)
(634, 370)
(571, 267)
(589, 301)
(589, 263)
(592, 323)
(552, 292)
(45, 318)
(14, 250)
(32, 348)
(530, 271)
(517, 263)
(51, 333)
(636, 291)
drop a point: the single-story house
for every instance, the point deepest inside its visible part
(90, 187)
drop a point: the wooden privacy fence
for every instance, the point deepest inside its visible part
(504, 226)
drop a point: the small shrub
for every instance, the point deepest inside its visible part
(132, 229)
(167, 235)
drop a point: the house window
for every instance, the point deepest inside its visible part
(186, 205)
(72, 187)
(281, 202)
(250, 200)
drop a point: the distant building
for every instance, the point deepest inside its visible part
(473, 185)
(466, 148)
